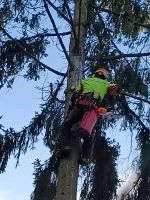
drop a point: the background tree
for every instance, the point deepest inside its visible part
(117, 37)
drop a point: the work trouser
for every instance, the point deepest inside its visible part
(84, 112)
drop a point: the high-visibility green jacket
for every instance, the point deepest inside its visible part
(95, 85)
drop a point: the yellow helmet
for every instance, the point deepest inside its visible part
(103, 71)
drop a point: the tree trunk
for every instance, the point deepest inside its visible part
(68, 167)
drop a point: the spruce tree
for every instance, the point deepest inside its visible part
(117, 37)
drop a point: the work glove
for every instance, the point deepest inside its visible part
(113, 90)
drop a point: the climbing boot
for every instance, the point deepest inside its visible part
(83, 133)
(85, 160)
(86, 151)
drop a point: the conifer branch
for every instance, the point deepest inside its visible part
(44, 35)
(71, 21)
(15, 143)
(138, 119)
(120, 52)
(119, 15)
(31, 56)
(136, 55)
(58, 11)
(57, 33)
(130, 111)
(126, 17)
(134, 97)
(40, 35)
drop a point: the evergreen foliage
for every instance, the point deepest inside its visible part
(102, 179)
(115, 28)
(45, 180)
(13, 60)
(141, 186)
(144, 139)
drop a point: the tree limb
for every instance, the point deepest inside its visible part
(31, 56)
(58, 11)
(126, 106)
(119, 15)
(57, 33)
(40, 35)
(137, 55)
(138, 119)
(71, 21)
(44, 35)
(135, 97)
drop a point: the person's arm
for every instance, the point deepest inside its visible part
(113, 89)
(76, 94)
(79, 88)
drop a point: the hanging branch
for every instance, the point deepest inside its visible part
(31, 56)
(15, 143)
(57, 33)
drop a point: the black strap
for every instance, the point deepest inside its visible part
(90, 97)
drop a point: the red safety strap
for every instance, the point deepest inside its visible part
(87, 103)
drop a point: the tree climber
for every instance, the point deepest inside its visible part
(86, 105)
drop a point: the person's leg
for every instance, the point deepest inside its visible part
(86, 150)
(87, 123)
(74, 116)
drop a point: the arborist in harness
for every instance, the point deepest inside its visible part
(86, 106)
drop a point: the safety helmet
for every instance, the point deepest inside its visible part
(102, 71)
